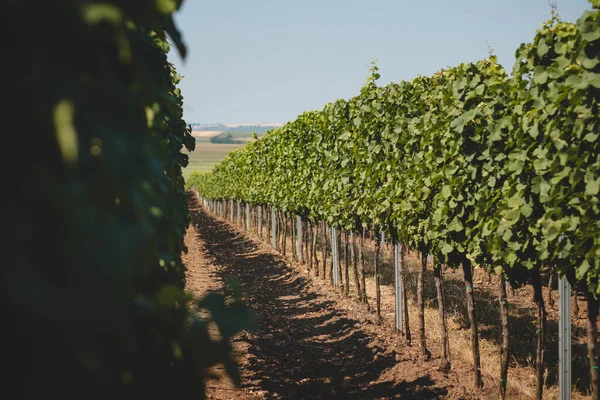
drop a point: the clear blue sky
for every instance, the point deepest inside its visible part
(266, 61)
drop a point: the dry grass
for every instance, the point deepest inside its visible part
(206, 134)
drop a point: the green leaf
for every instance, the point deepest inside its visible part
(166, 7)
(589, 63)
(511, 258)
(591, 36)
(66, 133)
(93, 14)
(575, 81)
(512, 216)
(175, 35)
(592, 79)
(592, 186)
(455, 225)
(447, 248)
(230, 320)
(516, 166)
(542, 49)
(516, 200)
(540, 75)
(526, 210)
(552, 230)
(446, 191)
(169, 295)
(582, 269)
(541, 164)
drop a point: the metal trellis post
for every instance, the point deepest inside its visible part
(398, 290)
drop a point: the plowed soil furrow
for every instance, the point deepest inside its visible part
(309, 342)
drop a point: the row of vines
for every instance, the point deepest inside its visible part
(470, 165)
(94, 209)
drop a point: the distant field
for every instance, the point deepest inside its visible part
(207, 155)
(208, 136)
(204, 136)
(243, 135)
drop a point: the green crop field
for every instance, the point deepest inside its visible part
(206, 156)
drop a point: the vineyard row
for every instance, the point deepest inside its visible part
(469, 165)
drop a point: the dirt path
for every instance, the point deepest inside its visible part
(203, 276)
(309, 343)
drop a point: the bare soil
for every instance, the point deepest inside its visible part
(310, 341)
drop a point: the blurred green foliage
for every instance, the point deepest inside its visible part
(94, 210)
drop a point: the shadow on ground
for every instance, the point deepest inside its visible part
(303, 347)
